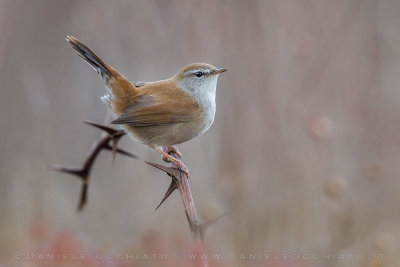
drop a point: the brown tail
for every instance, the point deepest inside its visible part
(84, 52)
(120, 90)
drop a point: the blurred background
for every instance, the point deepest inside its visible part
(303, 154)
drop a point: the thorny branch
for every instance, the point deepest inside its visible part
(179, 180)
(83, 172)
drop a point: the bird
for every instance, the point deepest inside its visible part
(159, 114)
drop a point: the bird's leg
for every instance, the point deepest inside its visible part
(179, 164)
(173, 149)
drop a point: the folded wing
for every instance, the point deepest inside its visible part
(149, 110)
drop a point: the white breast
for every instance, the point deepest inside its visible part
(204, 92)
(209, 108)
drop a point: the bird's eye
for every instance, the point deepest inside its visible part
(199, 74)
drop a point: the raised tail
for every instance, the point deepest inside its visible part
(102, 68)
(120, 90)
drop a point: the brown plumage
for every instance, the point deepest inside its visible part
(161, 113)
(121, 90)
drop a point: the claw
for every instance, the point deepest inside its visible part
(173, 149)
(179, 164)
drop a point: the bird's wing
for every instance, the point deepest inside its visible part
(149, 110)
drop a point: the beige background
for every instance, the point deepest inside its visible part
(303, 153)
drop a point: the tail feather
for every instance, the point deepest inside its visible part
(84, 52)
(120, 91)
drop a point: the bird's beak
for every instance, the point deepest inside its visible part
(218, 71)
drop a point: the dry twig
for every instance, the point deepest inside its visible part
(83, 172)
(179, 180)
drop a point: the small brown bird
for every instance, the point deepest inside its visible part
(163, 113)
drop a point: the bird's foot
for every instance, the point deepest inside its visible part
(179, 164)
(175, 161)
(172, 149)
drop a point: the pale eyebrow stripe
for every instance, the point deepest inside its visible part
(205, 71)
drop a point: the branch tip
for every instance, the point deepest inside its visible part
(170, 189)
(171, 171)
